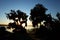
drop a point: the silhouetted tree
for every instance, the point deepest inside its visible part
(37, 14)
(19, 15)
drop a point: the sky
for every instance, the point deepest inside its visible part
(53, 7)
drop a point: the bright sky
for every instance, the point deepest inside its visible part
(53, 7)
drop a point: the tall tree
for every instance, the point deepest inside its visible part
(38, 14)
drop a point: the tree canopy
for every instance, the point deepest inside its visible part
(17, 16)
(37, 14)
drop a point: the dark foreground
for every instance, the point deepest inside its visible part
(35, 34)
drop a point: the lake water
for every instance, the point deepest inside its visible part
(29, 28)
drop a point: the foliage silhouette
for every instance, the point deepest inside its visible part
(37, 14)
(19, 15)
(19, 33)
(23, 16)
(12, 15)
